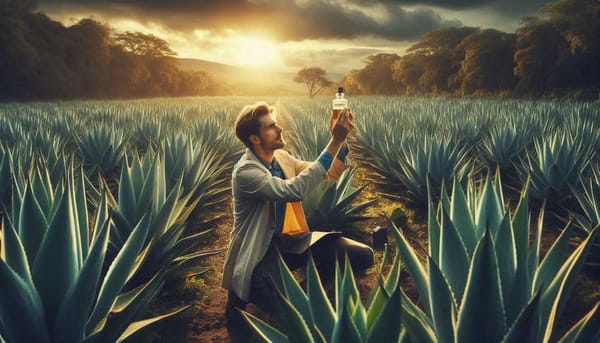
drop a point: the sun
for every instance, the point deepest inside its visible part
(256, 51)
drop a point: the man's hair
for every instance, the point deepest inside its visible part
(247, 122)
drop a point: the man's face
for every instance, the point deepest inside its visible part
(270, 133)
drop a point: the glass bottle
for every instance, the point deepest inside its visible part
(339, 103)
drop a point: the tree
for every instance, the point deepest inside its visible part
(579, 23)
(376, 76)
(314, 78)
(407, 70)
(142, 44)
(441, 40)
(541, 58)
(488, 62)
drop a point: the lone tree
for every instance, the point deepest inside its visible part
(314, 78)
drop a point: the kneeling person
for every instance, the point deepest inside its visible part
(268, 185)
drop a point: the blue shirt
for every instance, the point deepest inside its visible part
(324, 158)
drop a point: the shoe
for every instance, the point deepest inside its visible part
(232, 309)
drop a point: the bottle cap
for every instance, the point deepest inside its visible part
(340, 89)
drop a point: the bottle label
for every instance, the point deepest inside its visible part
(339, 104)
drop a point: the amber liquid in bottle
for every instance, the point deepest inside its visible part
(339, 103)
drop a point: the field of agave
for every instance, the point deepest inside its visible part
(105, 202)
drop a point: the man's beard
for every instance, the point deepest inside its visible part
(280, 143)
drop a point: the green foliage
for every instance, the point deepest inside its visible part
(309, 316)
(54, 286)
(555, 164)
(483, 282)
(330, 204)
(143, 192)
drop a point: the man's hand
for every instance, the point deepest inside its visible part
(342, 126)
(332, 121)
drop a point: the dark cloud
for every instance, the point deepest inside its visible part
(286, 20)
(504, 6)
(450, 4)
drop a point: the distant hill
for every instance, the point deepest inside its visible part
(250, 81)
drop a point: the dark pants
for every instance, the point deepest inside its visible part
(266, 274)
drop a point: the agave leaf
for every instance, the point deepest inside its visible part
(524, 328)
(387, 326)
(57, 249)
(21, 309)
(264, 330)
(507, 260)
(32, 224)
(14, 253)
(442, 303)
(380, 292)
(453, 256)
(520, 293)
(320, 307)
(137, 327)
(294, 292)
(459, 213)
(534, 255)
(81, 211)
(293, 322)
(358, 315)
(481, 315)
(126, 309)
(553, 260)
(76, 305)
(118, 272)
(127, 202)
(345, 329)
(412, 262)
(555, 297)
(433, 228)
(586, 329)
(418, 326)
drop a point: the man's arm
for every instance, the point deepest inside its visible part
(252, 181)
(338, 165)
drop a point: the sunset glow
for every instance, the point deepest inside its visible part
(255, 51)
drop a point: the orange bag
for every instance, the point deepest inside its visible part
(294, 221)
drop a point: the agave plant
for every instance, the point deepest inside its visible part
(53, 286)
(435, 162)
(143, 191)
(503, 146)
(589, 217)
(201, 168)
(555, 164)
(330, 204)
(482, 282)
(101, 149)
(146, 134)
(308, 316)
(589, 200)
(211, 133)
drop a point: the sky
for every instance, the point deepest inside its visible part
(287, 35)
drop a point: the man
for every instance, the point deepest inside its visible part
(268, 185)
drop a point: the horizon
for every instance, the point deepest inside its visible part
(339, 35)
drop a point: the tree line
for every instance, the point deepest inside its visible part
(558, 55)
(43, 59)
